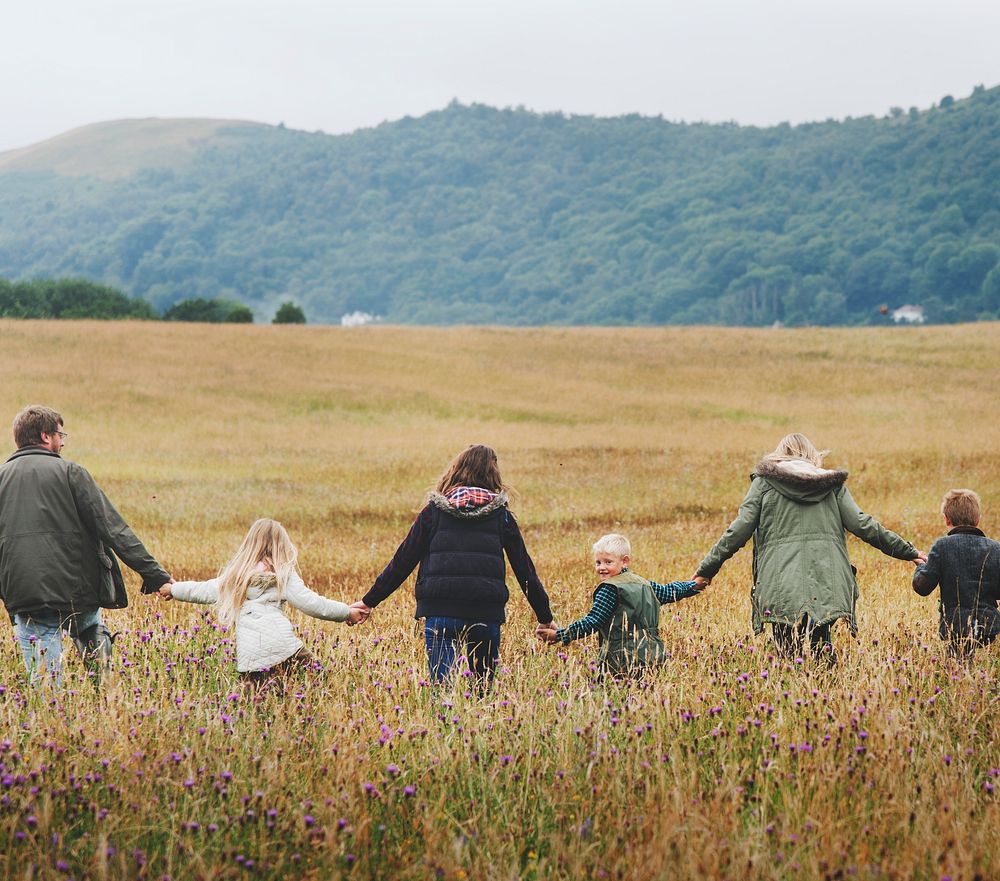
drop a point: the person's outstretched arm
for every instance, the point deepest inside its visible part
(524, 570)
(313, 604)
(869, 530)
(192, 591)
(737, 535)
(404, 561)
(598, 618)
(675, 591)
(928, 575)
(105, 523)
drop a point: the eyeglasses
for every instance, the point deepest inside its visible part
(63, 434)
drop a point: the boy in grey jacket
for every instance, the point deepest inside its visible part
(966, 566)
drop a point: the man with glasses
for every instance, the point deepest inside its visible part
(58, 538)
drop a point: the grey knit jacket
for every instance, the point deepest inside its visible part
(966, 566)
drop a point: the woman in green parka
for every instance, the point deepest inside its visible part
(797, 513)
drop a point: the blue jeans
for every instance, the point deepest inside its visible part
(445, 637)
(40, 636)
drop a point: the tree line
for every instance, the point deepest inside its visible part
(474, 214)
(69, 298)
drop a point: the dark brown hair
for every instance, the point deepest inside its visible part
(476, 465)
(31, 422)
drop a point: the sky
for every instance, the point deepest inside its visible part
(340, 65)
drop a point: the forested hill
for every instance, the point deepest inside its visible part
(473, 214)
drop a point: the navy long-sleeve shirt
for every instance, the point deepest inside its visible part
(417, 543)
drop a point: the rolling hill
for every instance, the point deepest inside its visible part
(474, 214)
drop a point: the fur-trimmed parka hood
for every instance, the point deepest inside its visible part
(800, 480)
(443, 503)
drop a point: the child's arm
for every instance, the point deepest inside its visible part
(314, 605)
(599, 617)
(192, 591)
(412, 550)
(927, 576)
(524, 570)
(675, 591)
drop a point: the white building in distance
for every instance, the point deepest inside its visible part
(910, 314)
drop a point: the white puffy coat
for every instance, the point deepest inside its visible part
(264, 636)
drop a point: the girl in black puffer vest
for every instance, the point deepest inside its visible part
(459, 540)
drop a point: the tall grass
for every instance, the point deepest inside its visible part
(729, 763)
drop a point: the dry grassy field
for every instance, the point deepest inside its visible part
(729, 763)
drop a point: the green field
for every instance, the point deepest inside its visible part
(729, 763)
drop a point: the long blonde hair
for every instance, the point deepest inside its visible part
(267, 542)
(796, 446)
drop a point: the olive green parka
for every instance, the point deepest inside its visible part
(56, 531)
(797, 515)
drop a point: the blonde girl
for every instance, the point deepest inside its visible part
(250, 594)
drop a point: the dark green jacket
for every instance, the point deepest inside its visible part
(56, 527)
(631, 640)
(797, 514)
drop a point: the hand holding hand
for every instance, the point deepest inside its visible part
(546, 632)
(165, 593)
(358, 613)
(920, 558)
(701, 583)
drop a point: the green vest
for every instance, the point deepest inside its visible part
(631, 642)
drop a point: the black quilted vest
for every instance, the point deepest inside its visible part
(462, 575)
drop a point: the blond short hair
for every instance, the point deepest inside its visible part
(961, 507)
(31, 422)
(613, 543)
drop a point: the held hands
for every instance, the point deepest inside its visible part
(920, 559)
(165, 593)
(701, 583)
(358, 613)
(546, 632)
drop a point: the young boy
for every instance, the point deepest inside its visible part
(625, 613)
(966, 564)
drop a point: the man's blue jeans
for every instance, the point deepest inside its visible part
(40, 636)
(447, 637)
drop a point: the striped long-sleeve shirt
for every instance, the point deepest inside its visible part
(605, 600)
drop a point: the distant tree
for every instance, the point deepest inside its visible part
(946, 102)
(210, 311)
(240, 314)
(289, 313)
(68, 298)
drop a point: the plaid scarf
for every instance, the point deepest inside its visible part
(461, 497)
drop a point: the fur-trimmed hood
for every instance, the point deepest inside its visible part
(800, 480)
(443, 503)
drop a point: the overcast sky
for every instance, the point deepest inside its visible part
(339, 65)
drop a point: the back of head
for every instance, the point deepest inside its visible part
(266, 541)
(614, 544)
(31, 422)
(961, 507)
(476, 465)
(797, 446)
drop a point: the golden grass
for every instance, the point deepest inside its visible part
(730, 764)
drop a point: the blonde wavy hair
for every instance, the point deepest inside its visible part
(797, 446)
(266, 542)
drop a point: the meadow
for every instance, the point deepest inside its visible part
(728, 763)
